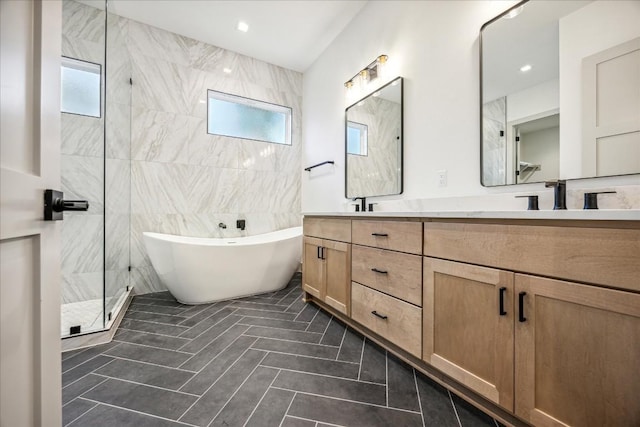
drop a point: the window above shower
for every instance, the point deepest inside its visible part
(245, 118)
(80, 90)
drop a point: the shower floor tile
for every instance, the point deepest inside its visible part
(258, 361)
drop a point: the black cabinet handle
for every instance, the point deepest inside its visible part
(503, 290)
(382, 316)
(375, 270)
(521, 317)
(380, 234)
(319, 251)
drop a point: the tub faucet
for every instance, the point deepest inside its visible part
(222, 225)
(363, 203)
(559, 193)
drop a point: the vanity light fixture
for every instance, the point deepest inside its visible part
(526, 68)
(243, 26)
(368, 73)
(514, 12)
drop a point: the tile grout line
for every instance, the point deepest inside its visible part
(263, 394)
(214, 383)
(153, 347)
(282, 329)
(315, 421)
(156, 323)
(455, 411)
(299, 342)
(415, 380)
(323, 375)
(224, 349)
(344, 334)
(207, 330)
(146, 385)
(85, 375)
(86, 391)
(311, 357)
(139, 412)
(237, 390)
(219, 309)
(326, 328)
(211, 342)
(386, 375)
(311, 322)
(123, 328)
(81, 415)
(151, 364)
(364, 340)
(324, 396)
(286, 413)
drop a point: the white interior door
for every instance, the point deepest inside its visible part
(30, 378)
(611, 111)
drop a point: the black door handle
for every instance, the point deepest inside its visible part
(375, 270)
(382, 316)
(380, 234)
(502, 311)
(521, 317)
(55, 205)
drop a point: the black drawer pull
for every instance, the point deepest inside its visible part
(521, 317)
(502, 312)
(380, 234)
(382, 316)
(319, 251)
(375, 270)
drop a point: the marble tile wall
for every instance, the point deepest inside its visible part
(494, 156)
(185, 181)
(82, 165)
(377, 172)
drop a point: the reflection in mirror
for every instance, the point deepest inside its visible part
(373, 143)
(560, 84)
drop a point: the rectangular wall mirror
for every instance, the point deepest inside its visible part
(373, 143)
(560, 91)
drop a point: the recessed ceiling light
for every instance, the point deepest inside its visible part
(526, 68)
(514, 12)
(227, 70)
(243, 26)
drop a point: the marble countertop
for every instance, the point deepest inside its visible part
(597, 214)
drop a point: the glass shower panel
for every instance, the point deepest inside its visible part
(118, 166)
(82, 173)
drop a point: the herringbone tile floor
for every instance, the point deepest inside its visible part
(268, 360)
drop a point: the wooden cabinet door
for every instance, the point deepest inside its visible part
(313, 268)
(577, 354)
(465, 333)
(337, 257)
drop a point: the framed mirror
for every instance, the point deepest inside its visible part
(560, 91)
(373, 143)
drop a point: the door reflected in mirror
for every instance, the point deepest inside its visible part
(373, 143)
(560, 85)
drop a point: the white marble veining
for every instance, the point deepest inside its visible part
(82, 243)
(494, 156)
(81, 286)
(82, 135)
(185, 181)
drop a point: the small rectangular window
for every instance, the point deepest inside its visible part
(238, 117)
(80, 87)
(357, 138)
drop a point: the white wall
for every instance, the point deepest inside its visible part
(533, 101)
(434, 45)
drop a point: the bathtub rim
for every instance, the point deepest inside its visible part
(256, 239)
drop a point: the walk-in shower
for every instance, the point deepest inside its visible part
(95, 166)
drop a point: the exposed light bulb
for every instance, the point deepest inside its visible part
(526, 68)
(243, 26)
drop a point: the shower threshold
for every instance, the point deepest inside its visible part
(89, 315)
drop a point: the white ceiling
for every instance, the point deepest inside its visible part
(291, 34)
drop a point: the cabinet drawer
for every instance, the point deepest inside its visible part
(394, 235)
(604, 256)
(402, 325)
(328, 228)
(395, 273)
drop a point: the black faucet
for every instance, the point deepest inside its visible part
(363, 203)
(559, 193)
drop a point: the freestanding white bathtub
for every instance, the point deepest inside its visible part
(201, 270)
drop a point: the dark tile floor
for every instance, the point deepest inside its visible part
(268, 360)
